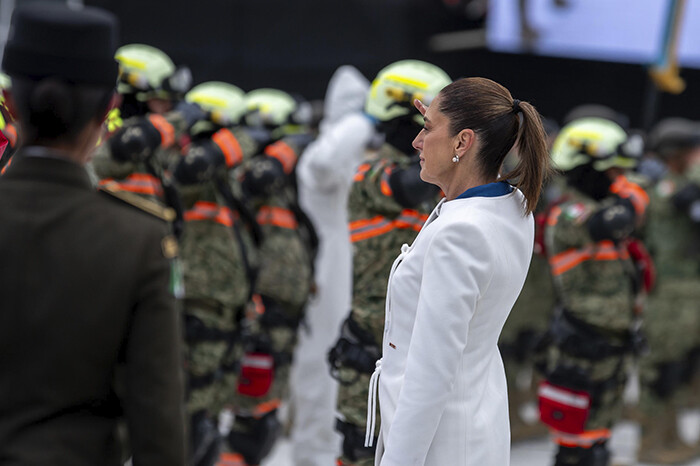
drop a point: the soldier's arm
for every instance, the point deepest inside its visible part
(373, 187)
(153, 358)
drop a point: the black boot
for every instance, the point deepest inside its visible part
(597, 455)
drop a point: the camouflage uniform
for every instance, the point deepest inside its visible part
(672, 320)
(596, 286)
(282, 287)
(217, 289)
(284, 284)
(378, 228)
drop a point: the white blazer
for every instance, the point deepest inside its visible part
(442, 390)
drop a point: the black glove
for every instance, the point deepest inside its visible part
(135, 142)
(202, 161)
(614, 222)
(264, 177)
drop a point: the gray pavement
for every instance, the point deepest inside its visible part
(539, 452)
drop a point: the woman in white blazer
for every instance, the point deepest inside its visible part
(442, 389)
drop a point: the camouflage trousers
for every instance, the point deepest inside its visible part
(353, 390)
(672, 326)
(365, 327)
(210, 356)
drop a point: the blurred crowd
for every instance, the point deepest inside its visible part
(287, 215)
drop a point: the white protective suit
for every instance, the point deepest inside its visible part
(324, 176)
(442, 388)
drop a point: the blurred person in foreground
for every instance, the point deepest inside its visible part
(88, 328)
(324, 176)
(672, 320)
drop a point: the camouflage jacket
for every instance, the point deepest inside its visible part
(212, 256)
(594, 281)
(286, 268)
(378, 228)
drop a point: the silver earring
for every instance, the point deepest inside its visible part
(455, 159)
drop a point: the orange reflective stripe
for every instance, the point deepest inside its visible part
(10, 133)
(9, 162)
(602, 251)
(632, 191)
(166, 130)
(553, 217)
(211, 211)
(285, 154)
(258, 305)
(369, 228)
(277, 216)
(411, 219)
(373, 231)
(364, 222)
(361, 171)
(139, 183)
(266, 407)
(229, 145)
(584, 440)
(384, 183)
(231, 459)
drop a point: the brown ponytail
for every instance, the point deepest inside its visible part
(534, 167)
(490, 111)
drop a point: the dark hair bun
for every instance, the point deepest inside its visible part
(52, 108)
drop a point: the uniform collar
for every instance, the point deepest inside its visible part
(40, 164)
(499, 188)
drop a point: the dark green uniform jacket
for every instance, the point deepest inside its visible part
(83, 289)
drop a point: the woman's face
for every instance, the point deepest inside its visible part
(436, 146)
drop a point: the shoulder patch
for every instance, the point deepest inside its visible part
(577, 212)
(113, 189)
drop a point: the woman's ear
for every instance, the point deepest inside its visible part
(464, 141)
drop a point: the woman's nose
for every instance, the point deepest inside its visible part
(418, 143)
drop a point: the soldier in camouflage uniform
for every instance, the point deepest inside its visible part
(218, 257)
(284, 280)
(144, 134)
(672, 320)
(387, 206)
(593, 333)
